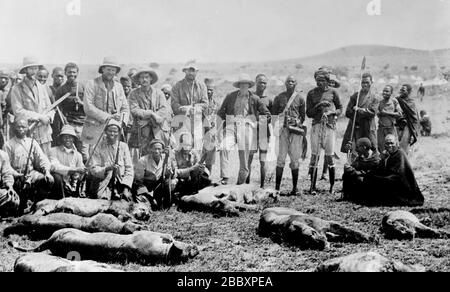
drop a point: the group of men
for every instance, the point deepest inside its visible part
(129, 140)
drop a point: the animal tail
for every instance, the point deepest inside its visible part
(16, 246)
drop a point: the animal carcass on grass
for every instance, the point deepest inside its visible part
(39, 227)
(89, 207)
(405, 225)
(228, 200)
(44, 263)
(366, 262)
(142, 247)
(306, 231)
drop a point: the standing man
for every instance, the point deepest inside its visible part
(167, 90)
(126, 85)
(421, 92)
(72, 108)
(240, 111)
(30, 99)
(5, 87)
(42, 77)
(111, 169)
(366, 110)
(210, 139)
(149, 110)
(323, 106)
(408, 126)
(290, 106)
(190, 98)
(263, 135)
(389, 111)
(104, 99)
(58, 79)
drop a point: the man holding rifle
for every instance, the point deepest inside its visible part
(30, 99)
(31, 167)
(111, 167)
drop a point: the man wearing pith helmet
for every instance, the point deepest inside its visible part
(104, 99)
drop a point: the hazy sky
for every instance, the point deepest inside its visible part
(213, 30)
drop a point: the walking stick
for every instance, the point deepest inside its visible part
(363, 66)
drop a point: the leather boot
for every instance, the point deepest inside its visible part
(332, 174)
(294, 182)
(313, 190)
(279, 176)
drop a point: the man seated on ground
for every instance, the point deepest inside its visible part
(151, 185)
(425, 124)
(111, 169)
(9, 199)
(67, 165)
(393, 182)
(191, 174)
(31, 168)
(366, 161)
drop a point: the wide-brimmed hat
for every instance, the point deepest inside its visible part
(156, 141)
(111, 62)
(113, 122)
(146, 70)
(4, 73)
(190, 65)
(244, 78)
(68, 130)
(29, 62)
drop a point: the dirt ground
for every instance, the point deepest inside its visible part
(232, 244)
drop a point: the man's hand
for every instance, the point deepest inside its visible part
(116, 117)
(185, 109)
(113, 167)
(348, 146)
(348, 167)
(197, 167)
(80, 170)
(49, 178)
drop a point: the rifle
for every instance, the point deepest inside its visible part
(52, 107)
(163, 178)
(113, 182)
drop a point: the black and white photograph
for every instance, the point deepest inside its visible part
(250, 136)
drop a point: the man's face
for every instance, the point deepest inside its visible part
(366, 83)
(322, 83)
(4, 81)
(404, 91)
(31, 72)
(42, 76)
(261, 84)
(244, 86)
(390, 145)
(210, 91)
(21, 128)
(145, 79)
(67, 141)
(126, 87)
(387, 92)
(72, 74)
(361, 150)
(156, 151)
(291, 83)
(191, 74)
(109, 72)
(112, 134)
(58, 78)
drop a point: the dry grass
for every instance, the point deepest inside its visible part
(232, 244)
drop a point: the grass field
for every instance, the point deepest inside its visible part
(232, 244)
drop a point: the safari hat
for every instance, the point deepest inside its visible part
(29, 62)
(111, 62)
(113, 122)
(156, 141)
(244, 78)
(190, 65)
(68, 130)
(146, 70)
(4, 73)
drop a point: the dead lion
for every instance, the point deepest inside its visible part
(44, 263)
(89, 207)
(405, 225)
(366, 262)
(228, 200)
(306, 231)
(39, 227)
(142, 247)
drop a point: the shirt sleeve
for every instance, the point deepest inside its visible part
(56, 165)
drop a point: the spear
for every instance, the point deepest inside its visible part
(363, 67)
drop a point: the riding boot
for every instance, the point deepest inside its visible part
(325, 169)
(279, 175)
(332, 172)
(294, 181)
(263, 174)
(313, 181)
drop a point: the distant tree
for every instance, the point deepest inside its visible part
(406, 68)
(414, 68)
(299, 66)
(173, 71)
(154, 65)
(443, 67)
(386, 66)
